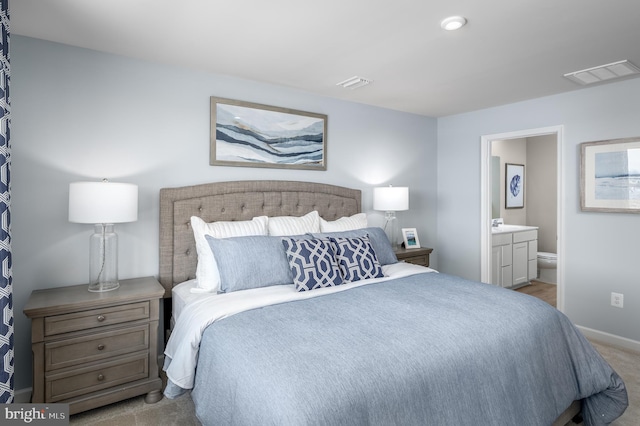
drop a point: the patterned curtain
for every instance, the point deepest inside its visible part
(6, 278)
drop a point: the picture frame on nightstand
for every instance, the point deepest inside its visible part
(410, 238)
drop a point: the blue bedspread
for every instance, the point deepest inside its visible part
(428, 349)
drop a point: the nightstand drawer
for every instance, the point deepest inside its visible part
(417, 256)
(80, 381)
(84, 320)
(96, 347)
(418, 260)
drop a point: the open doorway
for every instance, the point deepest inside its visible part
(488, 197)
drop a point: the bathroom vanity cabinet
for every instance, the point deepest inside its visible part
(525, 256)
(514, 255)
(502, 260)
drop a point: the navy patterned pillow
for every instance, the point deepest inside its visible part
(312, 262)
(356, 258)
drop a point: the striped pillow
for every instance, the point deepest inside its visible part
(346, 223)
(293, 225)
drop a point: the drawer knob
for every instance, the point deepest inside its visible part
(100, 377)
(100, 347)
(101, 318)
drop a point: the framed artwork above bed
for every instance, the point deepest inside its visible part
(253, 135)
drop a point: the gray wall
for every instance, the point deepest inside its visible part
(601, 249)
(83, 115)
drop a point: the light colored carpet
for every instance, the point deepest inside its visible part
(134, 411)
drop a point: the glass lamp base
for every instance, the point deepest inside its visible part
(100, 287)
(103, 259)
(391, 228)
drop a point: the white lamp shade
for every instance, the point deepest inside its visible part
(391, 198)
(103, 202)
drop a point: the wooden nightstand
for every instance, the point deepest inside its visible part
(92, 349)
(417, 256)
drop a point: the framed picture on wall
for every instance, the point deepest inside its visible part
(410, 238)
(610, 176)
(254, 135)
(514, 186)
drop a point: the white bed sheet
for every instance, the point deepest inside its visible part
(201, 310)
(181, 296)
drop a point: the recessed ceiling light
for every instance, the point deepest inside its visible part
(453, 23)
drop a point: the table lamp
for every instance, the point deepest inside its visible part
(391, 199)
(103, 204)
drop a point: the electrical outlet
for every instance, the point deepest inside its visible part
(617, 300)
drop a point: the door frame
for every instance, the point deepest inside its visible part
(485, 200)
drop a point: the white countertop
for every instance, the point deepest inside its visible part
(512, 228)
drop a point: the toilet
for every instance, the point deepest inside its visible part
(547, 267)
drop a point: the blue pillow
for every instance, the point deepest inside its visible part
(312, 262)
(356, 259)
(378, 238)
(250, 262)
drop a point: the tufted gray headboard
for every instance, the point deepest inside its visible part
(240, 200)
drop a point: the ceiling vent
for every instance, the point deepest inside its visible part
(354, 82)
(603, 73)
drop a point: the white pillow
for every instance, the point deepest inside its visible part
(207, 275)
(284, 226)
(346, 223)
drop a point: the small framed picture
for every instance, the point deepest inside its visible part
(514, 186)
(410, 237)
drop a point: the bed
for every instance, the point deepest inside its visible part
(407, 346)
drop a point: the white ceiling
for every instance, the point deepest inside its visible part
(510, 50)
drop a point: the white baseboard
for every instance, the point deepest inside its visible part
(611, 339)
(22, 396)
